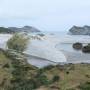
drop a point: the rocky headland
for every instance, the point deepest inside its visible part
(76, 30)
(26, 29)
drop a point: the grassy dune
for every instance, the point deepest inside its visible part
(17, 74)
(71, 76)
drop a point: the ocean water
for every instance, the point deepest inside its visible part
(56, 33)
(72, 55)
(68, 40)
(65, 46)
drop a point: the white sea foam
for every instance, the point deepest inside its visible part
(48, 49)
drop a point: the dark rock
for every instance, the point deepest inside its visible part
(86, 49)
(77, 46)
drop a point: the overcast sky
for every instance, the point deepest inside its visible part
(45, 14)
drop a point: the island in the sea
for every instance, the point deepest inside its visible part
(77, 30)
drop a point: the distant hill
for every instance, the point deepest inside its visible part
(5, 30)
(16, 29)
(76, 30)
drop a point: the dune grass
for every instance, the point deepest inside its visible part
(70, 77)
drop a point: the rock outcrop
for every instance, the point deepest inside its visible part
(75, 30)
(24, 29)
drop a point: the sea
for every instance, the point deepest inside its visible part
(72, 55)
(68, 40)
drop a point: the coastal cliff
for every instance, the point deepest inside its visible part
(24, 29)
(16, 29)
(76, 30)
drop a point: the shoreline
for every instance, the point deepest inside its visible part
(45, 53)
(73, 57)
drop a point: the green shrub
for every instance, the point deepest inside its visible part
(18, 42)
(6, 66)
(43, 79)
(67, 72)
(60, 67)
(85, 86)
(71, 89)
(56, 78)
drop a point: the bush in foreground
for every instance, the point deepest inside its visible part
(18, 42)
(85, 86)
(56, 78)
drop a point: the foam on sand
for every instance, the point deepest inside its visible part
(45, 49)
(41, 48)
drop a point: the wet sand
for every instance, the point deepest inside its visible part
(73, 57)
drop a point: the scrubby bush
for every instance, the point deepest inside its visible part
(67, 72)
(77, 46)
(60, 67)
(55, 87)
(71, 89)
(85, 86)
(43, 79)
(56, 78)
(6, 65)
(18, 42)
(87, 75)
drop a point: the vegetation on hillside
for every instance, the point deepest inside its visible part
(17, 74)
(5, 30)
(84, 86)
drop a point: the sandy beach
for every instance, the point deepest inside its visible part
(73, 57)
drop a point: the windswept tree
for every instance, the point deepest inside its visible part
(18, 42)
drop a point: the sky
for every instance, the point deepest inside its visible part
(46, 15)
